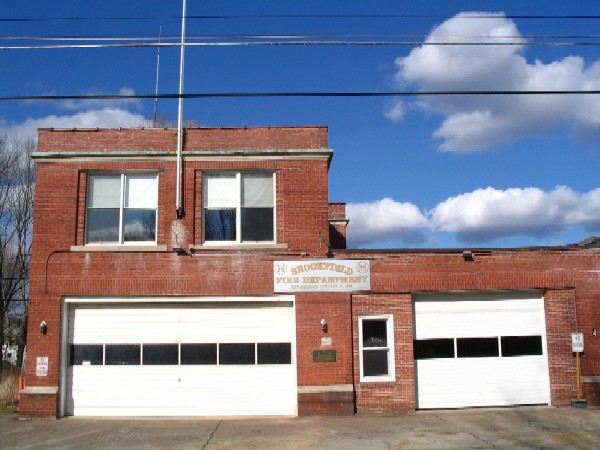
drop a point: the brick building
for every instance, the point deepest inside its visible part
(245, 301)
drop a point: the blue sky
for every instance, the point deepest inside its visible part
(428, 171)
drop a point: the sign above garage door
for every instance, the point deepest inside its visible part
(327, 275)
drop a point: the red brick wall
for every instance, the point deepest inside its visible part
(591, 392)
(337, 227)
(196, 139)
(38, 405)
(587, 300)
(561, 321)
(337, 210)
(335, 309)
(393, 396)
(327, 403)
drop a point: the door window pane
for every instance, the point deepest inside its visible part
(274, 353)
(122, 355)
(201, 354)
(236, 354)
(521, 345)
(477, 347)
(160, 354)
(85, 355)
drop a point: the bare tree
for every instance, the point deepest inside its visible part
(17, 183)
(162, 120)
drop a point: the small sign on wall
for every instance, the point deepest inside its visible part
(577, 342)
(324, 356)
(41, 366)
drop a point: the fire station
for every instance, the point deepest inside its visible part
(216, 281)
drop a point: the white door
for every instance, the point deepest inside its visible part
(201, 359)
(483, 349)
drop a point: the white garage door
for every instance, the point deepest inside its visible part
(486, 349)
(201, 359)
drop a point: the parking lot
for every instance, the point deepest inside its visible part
(510, 428)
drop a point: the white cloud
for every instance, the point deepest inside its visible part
(85, 113)
(384, 220)
(71, 104)
(486, 214)
(98, 118)
(481, 216)
(475, 123)
(588, 212)
(395, 112)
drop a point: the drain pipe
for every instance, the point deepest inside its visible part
(179, 208)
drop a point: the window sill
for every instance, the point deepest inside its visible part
(119, 248)
(238, 247)
(391, 380)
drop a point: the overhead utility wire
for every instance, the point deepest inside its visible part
(293, 94)
(301, 16)
(298, 43)
(293, 36)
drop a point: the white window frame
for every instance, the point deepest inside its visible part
(122, 208)
(238, 209)
(389, 320)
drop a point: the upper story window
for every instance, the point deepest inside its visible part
(239, 207)
(121, 209)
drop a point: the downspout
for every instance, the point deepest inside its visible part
(179, 208)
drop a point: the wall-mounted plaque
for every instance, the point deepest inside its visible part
(324, 356)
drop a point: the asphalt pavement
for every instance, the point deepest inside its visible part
(506, 428)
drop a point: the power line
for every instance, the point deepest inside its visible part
(301, 16)
(297, 43)
(292, 36)
(296, 94)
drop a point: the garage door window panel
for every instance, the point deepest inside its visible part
(198, 354)
(122, 355)
(513, 346)
(121, 209)
(160, 354)
(86, 355)
(237, 354)
(477, 347)
(376, 348)
(433, 348)
(274, 353)
(239, 208)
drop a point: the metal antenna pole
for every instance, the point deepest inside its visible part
(157, 71)
(179, 209)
